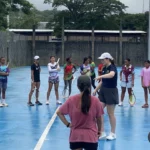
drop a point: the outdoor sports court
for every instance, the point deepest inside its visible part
(22, 127)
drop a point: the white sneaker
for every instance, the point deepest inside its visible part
(120, 104)
(1, 105)
(59, 102)
(103, 136)
(5, 104)
(111, 136)
(47, 102)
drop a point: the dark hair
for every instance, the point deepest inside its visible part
(147, 61)
(1, 58)
(85, 59)
(86, 97)
(128, 59)
(90, 57)
(68, 58)
(112, 61)
(51, 57)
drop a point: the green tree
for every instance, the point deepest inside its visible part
(135, 21)
(85, 14)
(20, 20)
(7, 6)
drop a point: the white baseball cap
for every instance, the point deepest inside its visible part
(36, 57)
(105, 55)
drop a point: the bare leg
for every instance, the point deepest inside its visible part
(146, 95)
(49, 90)
(112, 118)
(31, 92)
(130, 91)
(123, 93)
(56, 91)
(37, 91)
(102, 130)
(3, 93)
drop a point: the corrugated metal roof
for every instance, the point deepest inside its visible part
(29, 30)
(79, 31)
(103, 31)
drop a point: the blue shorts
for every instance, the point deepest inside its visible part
(3, 83)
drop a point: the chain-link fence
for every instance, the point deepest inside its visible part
(15, 48)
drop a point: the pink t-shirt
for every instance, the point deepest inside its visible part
(84, 127)
(146, 76)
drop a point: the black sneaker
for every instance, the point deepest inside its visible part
(30, 104)
(38, 103)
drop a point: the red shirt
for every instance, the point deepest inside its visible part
(100, 68)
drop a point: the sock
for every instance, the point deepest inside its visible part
(3, 101)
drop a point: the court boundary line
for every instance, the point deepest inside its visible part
(46, 131)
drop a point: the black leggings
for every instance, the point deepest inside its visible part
(68, 82)
(93, 81)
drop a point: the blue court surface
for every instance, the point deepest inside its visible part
(21, 126)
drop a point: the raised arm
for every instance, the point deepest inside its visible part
(52, 70)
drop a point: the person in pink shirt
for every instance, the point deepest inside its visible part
(85, 112)
(145, 81)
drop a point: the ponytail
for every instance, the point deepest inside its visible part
(86, 100)
(112, 61)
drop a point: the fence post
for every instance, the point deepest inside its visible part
(120, 44)
(93, 44)
(33, 42)
(63, 44)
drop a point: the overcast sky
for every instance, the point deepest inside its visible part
(135, 6)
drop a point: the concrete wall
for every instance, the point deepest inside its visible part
(137, 52)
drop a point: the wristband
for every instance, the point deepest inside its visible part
(68, 125)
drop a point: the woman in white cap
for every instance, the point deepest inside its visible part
(35, 81)
(85, 112)
(108, 92)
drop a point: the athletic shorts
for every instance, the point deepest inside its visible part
(126, 84)
(3, 84)
(53, 81)
(109, 96)
(36, 80)
(86, 146)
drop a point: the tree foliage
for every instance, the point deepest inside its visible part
(12, 5)
(85, 14)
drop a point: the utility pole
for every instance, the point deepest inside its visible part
(33, 42)
(93, 44)
(63, 43)
(120, 42)
(149, 34)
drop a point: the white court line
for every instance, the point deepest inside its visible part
(44, 135)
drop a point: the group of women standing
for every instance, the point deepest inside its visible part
(86, 111)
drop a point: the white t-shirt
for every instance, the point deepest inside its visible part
(53, 72)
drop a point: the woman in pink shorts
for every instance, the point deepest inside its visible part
(85, 112)
(145, 81)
